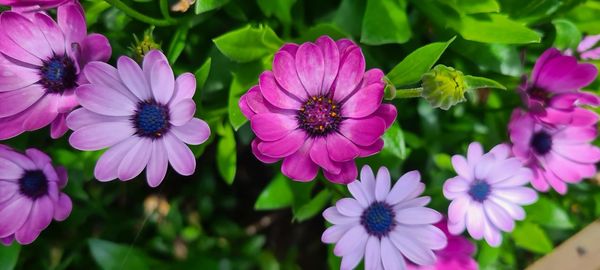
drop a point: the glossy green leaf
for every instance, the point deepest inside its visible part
(474, 82)
(477, 6)
(208, 5)
(531, 237)
(531, 10)
(202, 74)
(549, 214)
(226, 153)
(282, 9)
(276, 195)
(385, 22)
(585, 16)
(311, 34)
(248, 44)
(9, 255)
(349, 16)
(567, 34)
(109, 255)
(393, 142)
(177, 44)
(313, 207)
(487, 255)
(494, 28)
(500, 58)
(410, 70)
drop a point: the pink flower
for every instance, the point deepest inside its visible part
(40, 63)
(30, 195)
(553, 91)
(589, 48)
(457, 255)
(488, 193)
(384, 225)
(557, 154)
(144, 116)
(34, 3)
(318, 108)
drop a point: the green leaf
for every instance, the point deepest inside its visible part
(413, 66)
(443, 161)
(109, 255)
(311, 34)
(494, 28)
(276, 195)
(393, 141)
(500, 58)
(385, 22)
(226, 153)
(547, 213)
(349, 16)
(202, 74)
(585, 16)
(282, 9)
(248, 44)
(313, 207)
(487, 255)
(531, 237)
(177, 44)
(477, 6)
(567, 34)
(9, 255)
(207, 5)
(531, 10)
(473, 82)
(244, 78)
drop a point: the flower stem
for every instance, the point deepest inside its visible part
(139, 16)
(409, 93)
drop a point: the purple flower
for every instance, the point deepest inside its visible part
(457, 255)
(144, 116)
(40, 63)
(318, 108)
(384, 225)
(488, 193)
(34, 3)
(589, 48)
(30, 195)
(557, 154)
(553, 91)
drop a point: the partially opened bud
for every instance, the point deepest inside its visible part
(443, 87)
(141, 47)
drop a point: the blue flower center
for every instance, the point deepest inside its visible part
(33, 184)
(58, 74)
(541, 142)
(378, 219)
(480, 190)
(319, 116)
(151, 119)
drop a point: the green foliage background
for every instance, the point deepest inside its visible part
(237, 213)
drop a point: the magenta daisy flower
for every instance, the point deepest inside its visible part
(488, 193)
(385, 225)
(457, 255)
(553, 91)
(30, 195)
(318, 108)
(40, 63)
(144, 116)
(557, 154)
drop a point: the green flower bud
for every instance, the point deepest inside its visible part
(443, 87)
(141, 47)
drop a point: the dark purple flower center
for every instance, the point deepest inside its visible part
(541, 142)
(151, 119)
(480, 190)
(538, 93)
(378, 219)
(319, 116)
(58, 74)
(33, 184)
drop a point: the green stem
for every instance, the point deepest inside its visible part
(164, 9)
(409, 93)
(139, 16)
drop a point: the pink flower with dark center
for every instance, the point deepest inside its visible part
(318, 108)
(385, 224)
(40, 64)
(144, 116)
(30, 195)
(553, 91)
(457, 255)
(488, 193)
(557, 154)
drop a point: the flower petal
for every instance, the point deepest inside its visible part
(340, 149)
(332, 215)
(284, 147)
(162, 82)
(364, 102)
(101, 135)
(108, 164)
(272, 126)
(14, 102)
(331, 58)
(157, 164)
(349, 207)
(132, 76)
(412, 249)
(275, 94)
(353, 239)
(72, 22)
(364, 131)
(382, 184)
(403, 187)
(390, 256)
(180, 156)
(350, 74)
(195, 132)
(310, 68)
(135, 160)
(318, 154)
(103, 100)
(182, 112)
(284, 71)
(417, 215)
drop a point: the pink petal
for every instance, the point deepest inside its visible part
(132, 76)
(152, 58)
(284, 71)
(14, 102)
(180, 156)
(276, 95)
(272, 126)
(39, 158)
(14, 77)
(411, 249)
(403, 187)
(135, 160)
(14, 214)
(390, 256)
(40, 114)
(58, 127)
(51, 32)
(382, 184)
(583, 153)
(244, 107)
(98, 73)
(108, 164)
(259, 155)
(340, 149)
(162, 81)
(373, 253)
(474, 153)
(353, 239)
(299, 166)
(333, 216)
(515, 211)
(364, 131)
(491, 235)
(349, 207)
(334, 233)
(366, 151)
(285, 146)
(103, 100)
(351, 71)
(310, 68)
(185, 87)
(101, 135)
(347, 174)
(195, 132)
(359, 194)
(455, 187)
(157, 164)
(9, 170)
(182, 112)
(542, 61)
(63, 207)
(331, 59)
(94, 47)
(518, 195)
(350, 261)
(388, 113)
(318, 154)
(13, 50)
(72, 21)
(364, 102)
(462, 168)
(499, 217)
(83, 117)
(475, 220)
(484, 166)
(417, 215)
(25, 34)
